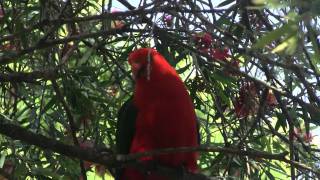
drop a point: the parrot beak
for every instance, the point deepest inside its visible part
(138, 71)
(134, 75)
(135, 67)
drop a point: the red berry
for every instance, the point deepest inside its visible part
(206, 40)
(202, 40)
(246, 102)
(116, 24)
(307, 137)
(168, 19)
(220, 54)
(271, 99)
(240, 108)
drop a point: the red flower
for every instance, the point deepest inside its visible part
(220, 54)
(168, 19)
(246, 102)
(271, 99)
(206, 40)
(248, 90)
(116, 24)
(241, 109)
(307, 137)
(203, 40)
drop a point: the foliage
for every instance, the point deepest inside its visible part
(252, 69)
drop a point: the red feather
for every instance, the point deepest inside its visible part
(166, 116)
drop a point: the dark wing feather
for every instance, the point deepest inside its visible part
(127, 116)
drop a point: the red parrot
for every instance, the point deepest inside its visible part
(161, 113)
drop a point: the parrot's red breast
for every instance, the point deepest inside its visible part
(166, 116)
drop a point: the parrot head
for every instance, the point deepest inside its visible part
(138, 61)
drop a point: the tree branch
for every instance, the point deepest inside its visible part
(111, 160)
(30, 77)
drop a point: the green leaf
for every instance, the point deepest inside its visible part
(163, 49)
(49, 105)
(220, 77)
(314, 113)
(183, 69)
(86, 56)
(289, 46)
(45, 172)
(286, 30)
(223, 22)
(182, 55)
(281, 121)
(221, 93)
(238, 31)
(270, 176)
(224, 3)
(2, 160)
